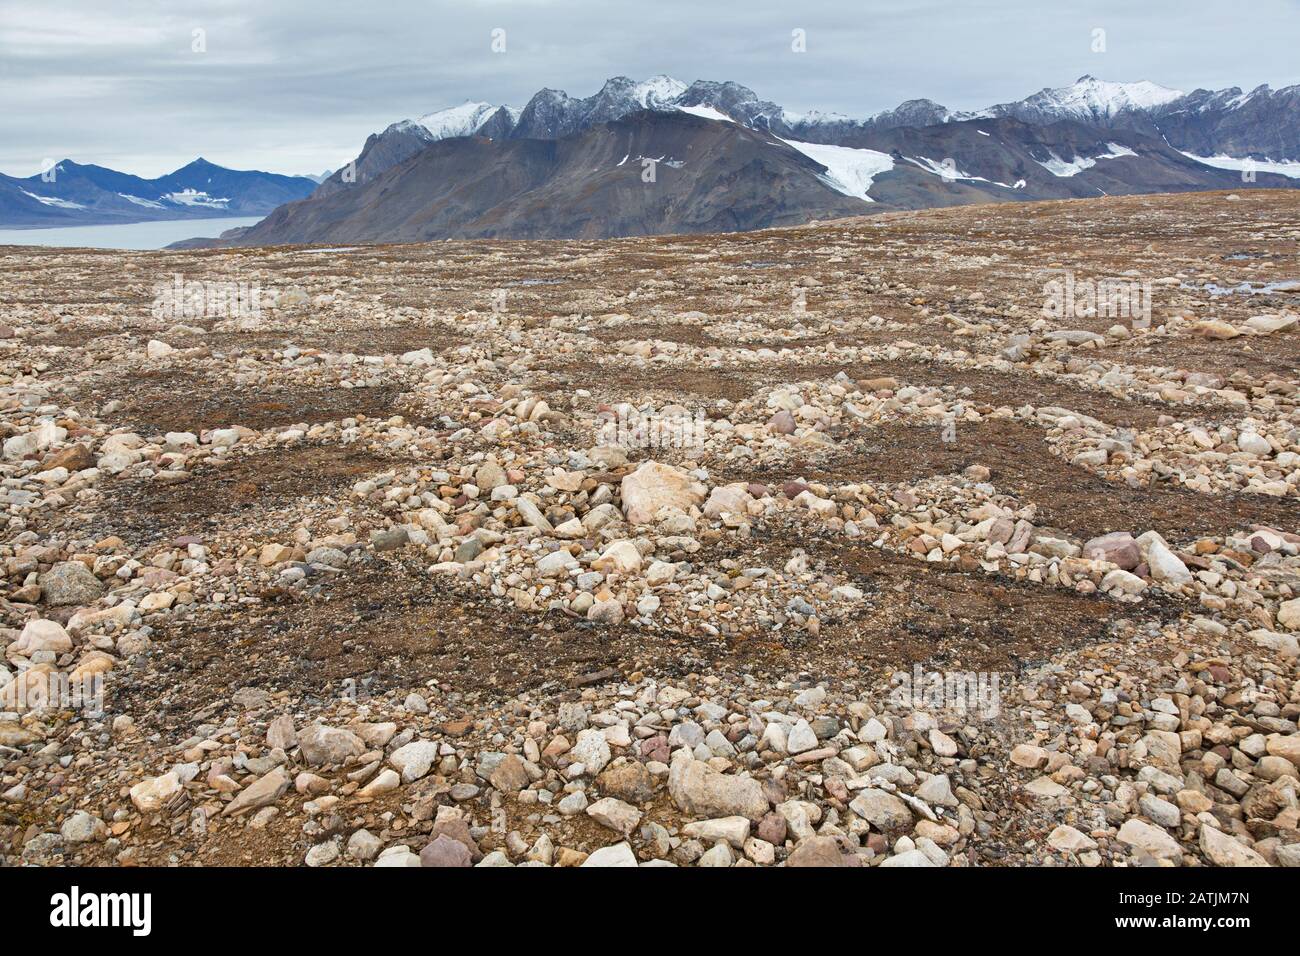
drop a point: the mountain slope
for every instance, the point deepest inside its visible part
(712, 174)
(1263, 124)
(708, 177)
(1010, 159)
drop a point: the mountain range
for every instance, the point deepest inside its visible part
(660, 155)
(1263, 125)
(723, 160)
(72, 194)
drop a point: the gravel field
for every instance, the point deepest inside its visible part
(828, 546)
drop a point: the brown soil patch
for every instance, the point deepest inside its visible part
(390, 626)
(621, 383)
(934, 614)
(176, 402)
(1070, 498)
(238, 492)
(1002, 388)
(1273, 356)
(678, 332)
(364, 340)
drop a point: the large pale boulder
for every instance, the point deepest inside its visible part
(1288, 614)
(882, 810)
(1268, 324)
(413, 760)
(1150, 839)
(1223, 850)
(322, 745)
(621, 557)
(728, 499)
(70, 583)
(1118, 547)
(42, 635)
(701, 791)
(653, 487)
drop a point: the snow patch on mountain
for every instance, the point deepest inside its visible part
(708, 112)
(1285, 167)
(1116, 151)
(196, 197)
(1059, 167)
(848, 170)
(54, 201)
(949, 172)
(147, 203)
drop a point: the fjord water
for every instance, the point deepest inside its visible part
(131, 235)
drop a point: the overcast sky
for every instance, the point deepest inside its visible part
(295, 86)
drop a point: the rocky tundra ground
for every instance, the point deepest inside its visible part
(827, 546)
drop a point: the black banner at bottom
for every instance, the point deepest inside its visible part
(172, 905)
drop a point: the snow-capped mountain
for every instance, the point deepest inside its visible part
(550, 112)
(565, 165)
(1087, 100)
(1264, 124)
(463, 120)
(714, 173)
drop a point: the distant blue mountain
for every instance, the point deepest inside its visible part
(74, 194)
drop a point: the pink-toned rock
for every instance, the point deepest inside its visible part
(782, 423)
(1119, 548)
(445, 852)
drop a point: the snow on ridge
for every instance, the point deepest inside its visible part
(814, 118)
(1091, 95)
(658, 90)
(849, 171)
(463, 120)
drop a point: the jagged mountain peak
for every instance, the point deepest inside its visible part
(659, 88)
(1088, 93)
(1228, 123)
(462, 120)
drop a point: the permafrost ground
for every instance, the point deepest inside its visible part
(813, 546)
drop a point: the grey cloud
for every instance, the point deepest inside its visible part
(295, 86)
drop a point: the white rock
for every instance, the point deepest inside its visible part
(620, 854)
(654, 486)
(413, 760)
(150, 794)
(1166, 567)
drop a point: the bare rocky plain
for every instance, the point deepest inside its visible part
(815, 546)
